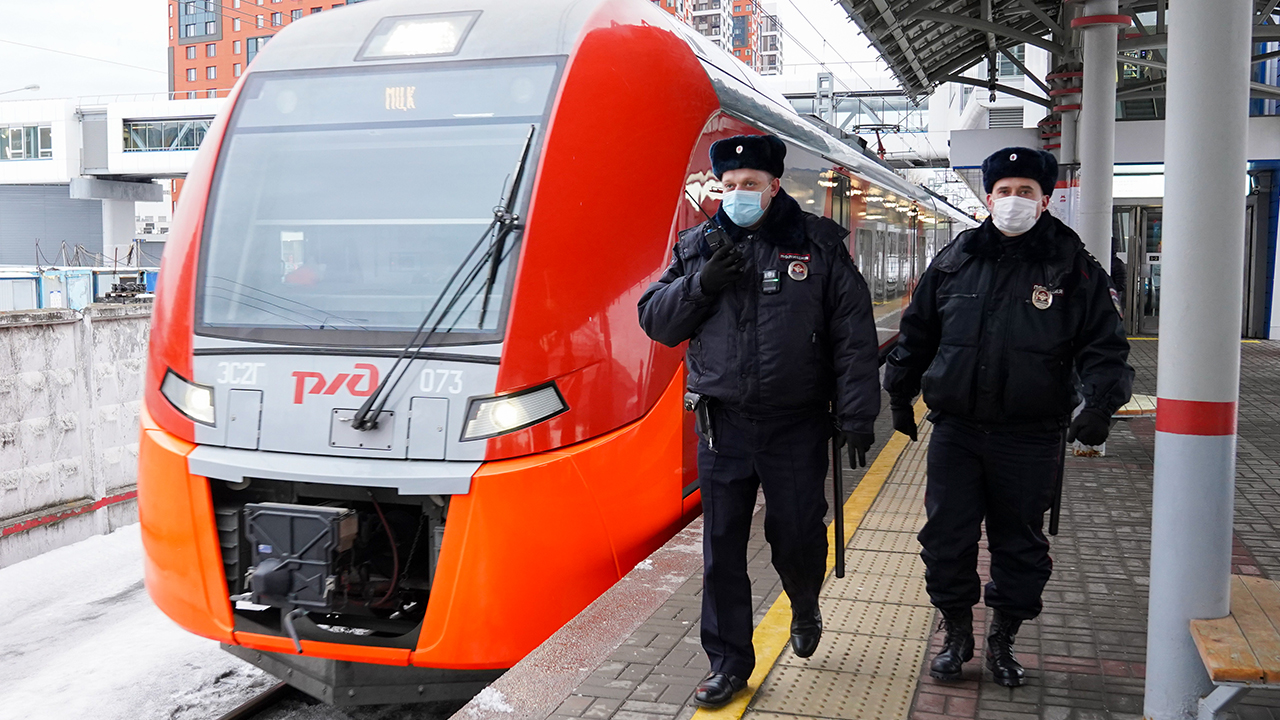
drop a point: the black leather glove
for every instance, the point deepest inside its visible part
(723, 269)
(1090, 427)
(904, 419)
(859, 443)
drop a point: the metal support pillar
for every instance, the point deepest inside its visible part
(1096, 142)
(1067, 153)
(1199, 372)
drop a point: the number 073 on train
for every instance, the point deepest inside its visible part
(399, 412)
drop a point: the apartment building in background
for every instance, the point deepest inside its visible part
(681, 9)
(744, 35)
(769, 49)
(745, 28)
(211, 42)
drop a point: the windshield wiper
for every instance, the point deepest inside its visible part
(510, 222)
(505, 221)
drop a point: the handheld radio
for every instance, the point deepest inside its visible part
(717, 238)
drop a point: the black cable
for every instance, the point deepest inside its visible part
(395, 554)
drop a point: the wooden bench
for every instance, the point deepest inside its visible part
(1242, 650)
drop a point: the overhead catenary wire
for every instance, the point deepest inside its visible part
(826, 42)
(82, 57)
(821, 63)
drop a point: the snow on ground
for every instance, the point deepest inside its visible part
(80, 638)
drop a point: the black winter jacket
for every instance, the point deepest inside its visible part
(981, 349)
(771, 355)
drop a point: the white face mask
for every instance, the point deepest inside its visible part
(1013, 215)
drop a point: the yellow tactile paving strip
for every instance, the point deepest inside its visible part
(877, 618)
(774, 631)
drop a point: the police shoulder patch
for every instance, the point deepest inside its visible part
(1115, 300)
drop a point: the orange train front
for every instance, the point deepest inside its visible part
(399, 410)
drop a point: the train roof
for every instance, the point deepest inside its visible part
(505, 29)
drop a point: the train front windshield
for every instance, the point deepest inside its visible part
(343, 202)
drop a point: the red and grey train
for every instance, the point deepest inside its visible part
(398, 406)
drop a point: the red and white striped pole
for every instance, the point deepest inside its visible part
(1199, 372)
(1096, 129)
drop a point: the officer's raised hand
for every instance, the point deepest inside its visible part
(859, 443)
(723, 269)
(904, 419)
(1090, 427)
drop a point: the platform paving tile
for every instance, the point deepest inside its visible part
(1088, 659)
(672, 677)
(1085, 655)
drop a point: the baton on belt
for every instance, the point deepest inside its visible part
(1056, 511)
(838, 481)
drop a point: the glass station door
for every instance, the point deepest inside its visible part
(1148, 287)
(1137, 232)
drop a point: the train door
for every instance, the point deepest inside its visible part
(878, 284)
(840, 199)
(862, 257)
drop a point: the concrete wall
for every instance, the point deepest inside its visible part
(70, 393)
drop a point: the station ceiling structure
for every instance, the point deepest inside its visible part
(930, 42)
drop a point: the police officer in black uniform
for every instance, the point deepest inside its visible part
(779, 327)
(1009, 326)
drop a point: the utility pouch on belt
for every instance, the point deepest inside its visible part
(700, 406)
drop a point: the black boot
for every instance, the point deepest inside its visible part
(957, 647)
(1003, 665)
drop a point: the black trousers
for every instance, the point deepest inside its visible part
(1006, 478)
(788, 458)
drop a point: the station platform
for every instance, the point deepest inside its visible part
(635, 653)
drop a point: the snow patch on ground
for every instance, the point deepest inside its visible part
(80, 638)
(489, 700)
(644, 565)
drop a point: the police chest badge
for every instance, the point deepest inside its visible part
(1041, 297)
(798, 270)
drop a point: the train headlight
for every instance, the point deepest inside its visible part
(491, 416)
(191, 399)
(418, 36)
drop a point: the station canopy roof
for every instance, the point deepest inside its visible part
(930, 42)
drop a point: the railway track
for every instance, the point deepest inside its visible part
(268, 699)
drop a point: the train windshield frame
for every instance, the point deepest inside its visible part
(343, 200)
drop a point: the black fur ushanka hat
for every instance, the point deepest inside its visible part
(754, 152)
(1020, 162)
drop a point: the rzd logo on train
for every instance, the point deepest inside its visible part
(360, 383)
